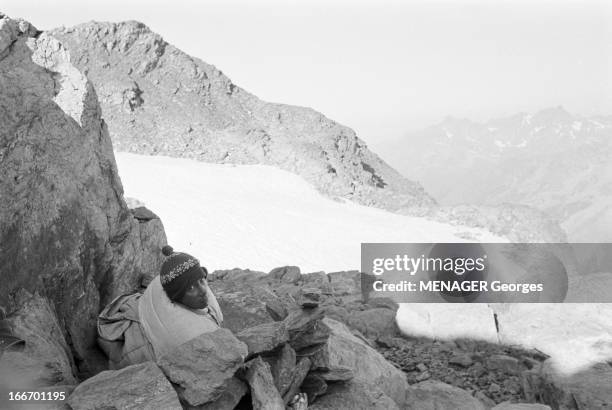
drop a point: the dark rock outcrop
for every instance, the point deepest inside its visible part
(46, 359)
(282, 367)
(263, 391)
(66, 231)
(235, 390)
(264, 338)
(344, 351)
(142, 386)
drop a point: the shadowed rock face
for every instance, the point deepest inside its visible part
(65, 230)
(159, 100)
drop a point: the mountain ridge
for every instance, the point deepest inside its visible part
(550, 160)
(159, 100)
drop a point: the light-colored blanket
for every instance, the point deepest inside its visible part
(168, 325)
(120, 334)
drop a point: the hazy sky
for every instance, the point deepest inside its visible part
(383, 67)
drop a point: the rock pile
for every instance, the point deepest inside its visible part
(490, 372)
(471, 373)
(265, 365)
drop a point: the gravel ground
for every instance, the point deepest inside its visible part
(490, 372)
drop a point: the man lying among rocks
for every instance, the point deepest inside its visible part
(177, 306)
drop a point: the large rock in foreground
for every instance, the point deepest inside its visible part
(343, 351)
(354, 396)
(142, 386)
(46, 359)
(264, 395)
(65, 229)
(203, 367)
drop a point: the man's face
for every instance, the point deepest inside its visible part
(195, 297)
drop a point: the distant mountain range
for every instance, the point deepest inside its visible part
(550, 160)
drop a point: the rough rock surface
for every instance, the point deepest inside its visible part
(217, 355)
(229, 399)
(264, 338)
(282, 367)
(434, 395)
(345, 351)
(264, 395)
(521, 406)
(463, 364)
(300, 372)
(66, 231)
(46, 359)
(248, 300)
(142, 386)
(354, 395)
(306, 329)
(159, 100)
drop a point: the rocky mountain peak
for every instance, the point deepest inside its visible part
(551, 116)
(552, 160)
(159, 100)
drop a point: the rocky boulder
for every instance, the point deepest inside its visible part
(434, 395)
(264, 394)
(65, 231)
(229, 399)
(282, 367)
(264, 338)
(354, 395)
(344, 353)
(142, 386)
(46, 359)
(203, 367)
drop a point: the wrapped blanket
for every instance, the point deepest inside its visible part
(121, 335)
(168, 325)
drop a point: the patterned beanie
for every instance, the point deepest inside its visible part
(178, 272)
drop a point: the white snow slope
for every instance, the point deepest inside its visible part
(260, 217)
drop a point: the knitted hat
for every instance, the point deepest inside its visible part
(178, 272)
